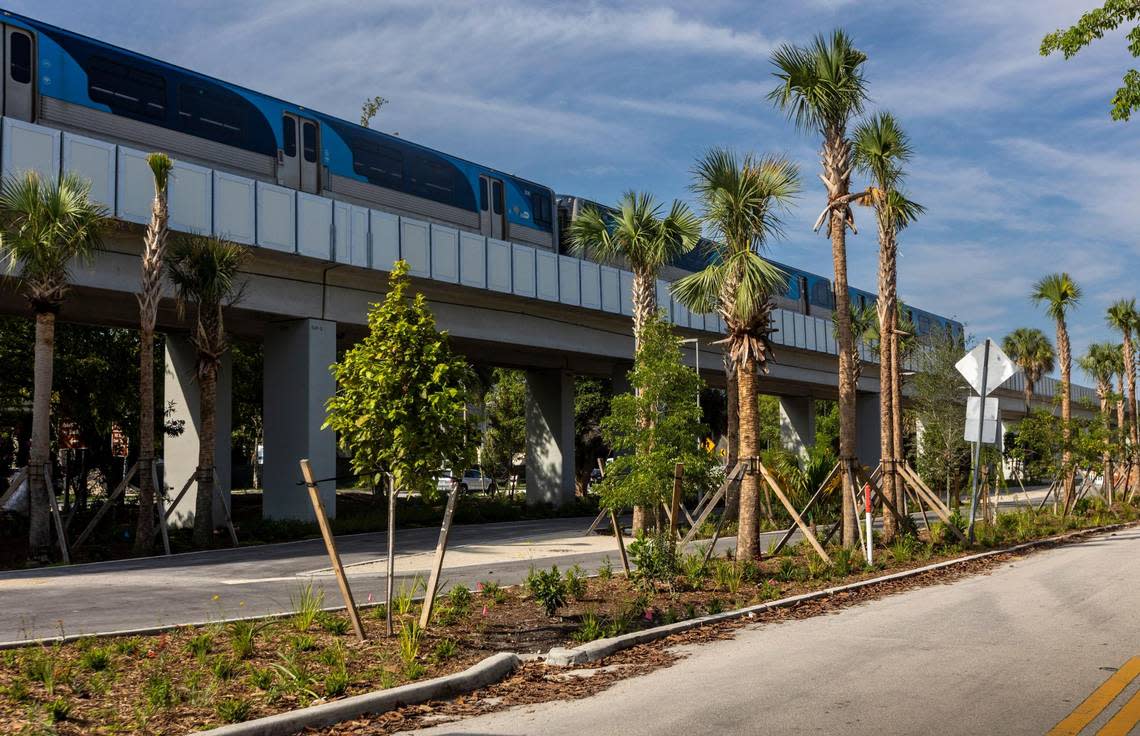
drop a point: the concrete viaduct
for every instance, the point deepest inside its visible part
(318, 263)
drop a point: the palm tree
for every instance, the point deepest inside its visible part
(637, 234)
(154, 251)
(741, 200)
(1122, 316)
(1033, 353)
(881, 148)
(204, 272)
(822, 89)
(45, 224)
(1100, 363)
(1060, 293)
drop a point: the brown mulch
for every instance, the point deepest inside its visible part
(534, 682)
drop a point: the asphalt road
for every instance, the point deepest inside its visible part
(198, 587)
(1011, 652)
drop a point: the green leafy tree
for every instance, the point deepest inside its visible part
(402, 395)
(591, 406)
(204, 271)
(940, 407)
(505, 436)
(1100, 363)
(1123, 317)
(822, 88)
(45, 226)
(1092, 26)
(655, 426)
(370, 108)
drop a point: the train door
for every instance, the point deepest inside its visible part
(19, 74)
(492, 208)
(299, 158)
(805, 298)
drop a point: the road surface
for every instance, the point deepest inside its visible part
(1048, 637)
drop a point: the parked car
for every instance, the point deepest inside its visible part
(471, 480)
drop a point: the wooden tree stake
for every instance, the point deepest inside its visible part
(437, 567)
(55, 515)
(620, 542)
(106, 506)
(330, 545)
(674, 512)
(794, 514)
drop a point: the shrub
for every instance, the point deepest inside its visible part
(294, 674)
(58, 709)
(589, 628)
(902, 550)
(128, 647)
(96, 659)
(261, 678)
(444, 649)
(446, 615)
(841, 560)
(548, 588)
(410, 635)
(233, 710)
(789, 570)
(199, 645)
(606, 570)
(575, 583)
(336, 682)
(729, 576)
(817, 569)
(307, 605)
(655, 557)
(242, 636)
(714, 607)
(224, 668)
(332, 623)
(333, 656)
(158, 689)
(403, 600)
(303, 643)
(693, 568)
(460, 598)
(494, 591)
(767, 591)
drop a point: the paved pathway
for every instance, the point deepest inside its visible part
(1049, 637)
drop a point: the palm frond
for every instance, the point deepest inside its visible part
(1058, 292)
(821, 85)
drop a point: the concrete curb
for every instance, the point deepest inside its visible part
(601, 648)
(490, 670)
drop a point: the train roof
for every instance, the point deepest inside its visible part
(43, 25)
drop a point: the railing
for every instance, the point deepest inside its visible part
(264, 215)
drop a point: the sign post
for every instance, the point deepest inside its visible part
(867, 498)
(985, 368)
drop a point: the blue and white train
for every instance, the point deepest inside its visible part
(74, 83)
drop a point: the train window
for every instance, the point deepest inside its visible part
(130, 91)
(309, 141)
(209, 114)
(437, 178)
(20, 68)
(381, 165)
(540, 207)
(289, 134)
(497, 197)
(482, 194)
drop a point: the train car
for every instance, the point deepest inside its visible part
(64, 80)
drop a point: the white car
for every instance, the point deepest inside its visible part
(472, 480)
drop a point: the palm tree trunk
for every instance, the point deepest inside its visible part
(836, 158)
(1133, 427)
(1103, 390)
(204, 503)
(39, 530)
(886, 309)
(144, 532)
(748, 527)
(1065, 355)
(644, 299)
(896, 407)
(732, 498)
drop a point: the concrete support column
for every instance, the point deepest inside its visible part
(868, 447)
(180, 454)
(297, 383)
(549, 437)
(797, 424)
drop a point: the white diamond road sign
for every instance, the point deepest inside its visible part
(999, 368)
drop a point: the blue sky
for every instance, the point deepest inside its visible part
(1017, 161)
